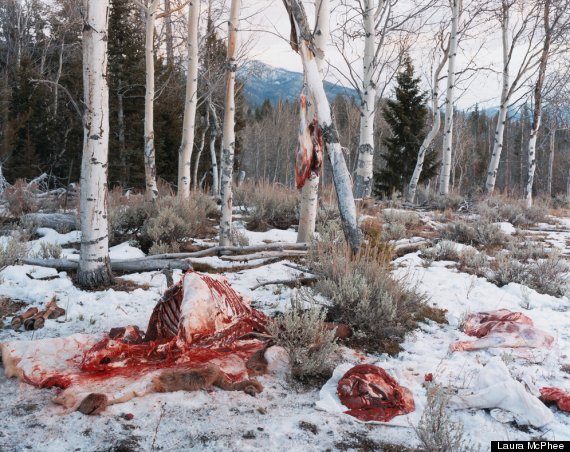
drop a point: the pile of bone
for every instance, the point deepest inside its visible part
(34, 319)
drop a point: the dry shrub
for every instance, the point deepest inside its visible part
(546, 276)
(49, 251)
(472, 261)
(21, 199)
(443, 251)
(560, 202)
(437, 431)
(502, 208)
(549, 276)
(439, 202)
(163, 248)
(126, 215)
(302, 332)
(179, 219)
(161, 224)
(406, 219)
(480, 233)
(363, 292)
(398, 223)
(525, 251)
(507, 270)
(12, 252)
(268, 206)
(238, 237)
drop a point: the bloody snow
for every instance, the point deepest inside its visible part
(284, 416)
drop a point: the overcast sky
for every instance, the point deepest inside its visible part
(274, 50)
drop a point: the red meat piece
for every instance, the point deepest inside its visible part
(373, 395)
(556, 395)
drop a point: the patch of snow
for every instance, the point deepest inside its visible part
(506, 227)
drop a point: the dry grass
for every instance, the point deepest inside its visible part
(13, 251)
(362, 290)
(503, 208)
(21, 199)
(268, 206)
(302, 332)
(437, 430)
(161, 225)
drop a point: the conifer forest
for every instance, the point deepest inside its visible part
(284, 225)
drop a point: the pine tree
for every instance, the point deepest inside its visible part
(406, 116)
(126, 93)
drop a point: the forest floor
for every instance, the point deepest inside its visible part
(284, 416)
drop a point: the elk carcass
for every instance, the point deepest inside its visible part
(198, 323)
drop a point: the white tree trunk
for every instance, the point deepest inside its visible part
(303, 44)
(531, 162)
(551, 162)
(365, 163)
(503, 109)
(228, 140)
(537, 110)
(200, 149)
(449, 99)
(185, 151)
(94, 269)
(149, 155)
(214, 130)
(414, 181)
(310, 191)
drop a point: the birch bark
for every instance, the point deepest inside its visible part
(214, 131)
(200, 149)
(149, 152)
(503, 109)
(188, 126)
(364, 169)
(414, 181)
(228, 140)
(302, 42)
(309, 193)
(537, 110)
(94, 268)
(450, 98)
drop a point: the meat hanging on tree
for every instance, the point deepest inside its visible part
(309, 155)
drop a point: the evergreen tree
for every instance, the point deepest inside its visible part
(126, 93)
(406, 116)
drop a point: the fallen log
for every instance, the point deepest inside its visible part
(229, 250)
(206, 267)
(57, 221)
(124, 266)
(303, 281)
(406, 248)
(264, 255)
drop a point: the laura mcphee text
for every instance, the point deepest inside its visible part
(530, 445)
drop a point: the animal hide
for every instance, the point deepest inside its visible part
(201, 320)
(501, 328)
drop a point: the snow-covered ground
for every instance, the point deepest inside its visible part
(282, 417)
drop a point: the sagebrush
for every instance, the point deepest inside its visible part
(301, 330)
(437, 430)
(362, 290)
(268, 206)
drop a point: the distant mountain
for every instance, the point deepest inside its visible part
(263, 81)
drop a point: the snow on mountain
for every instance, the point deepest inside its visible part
(263, 81)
